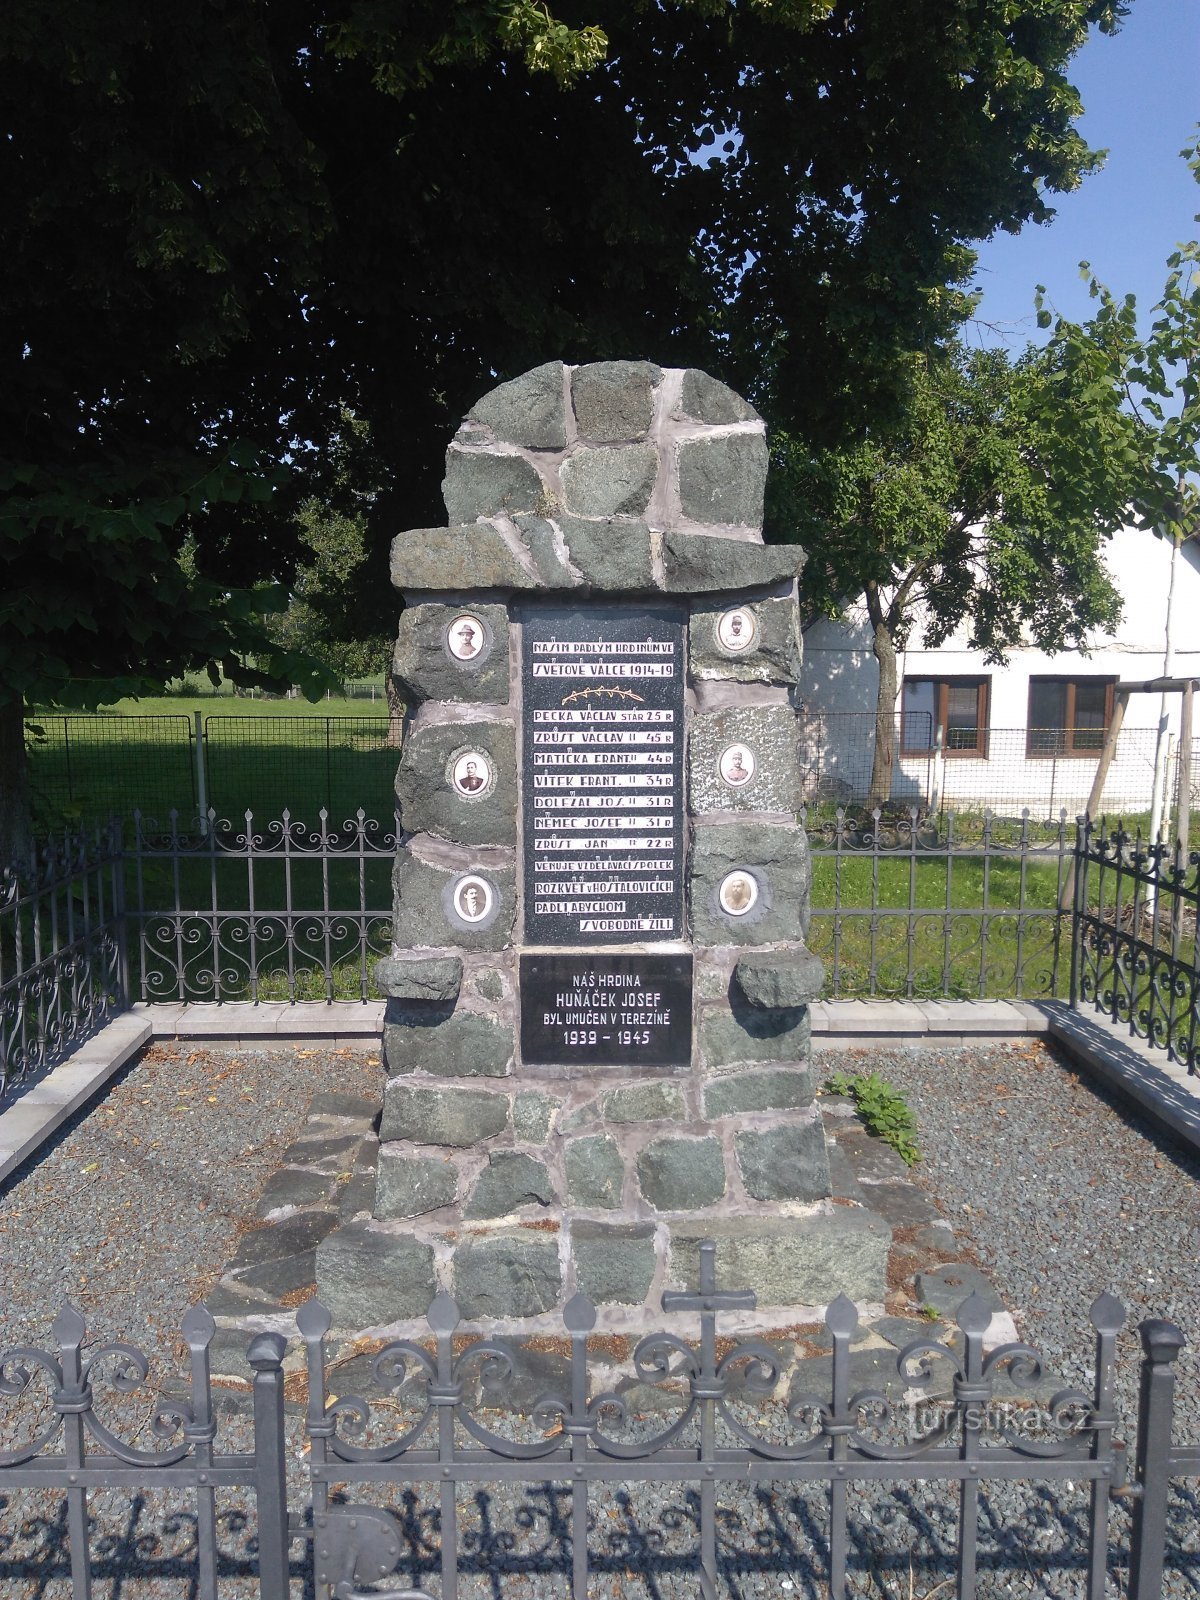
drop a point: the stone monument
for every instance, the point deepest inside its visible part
(597, 1031)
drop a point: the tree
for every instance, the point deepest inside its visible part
(230, 223)
(1157, 376)
(989, 505)
(326, 616)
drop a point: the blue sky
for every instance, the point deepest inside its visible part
(1141, 96)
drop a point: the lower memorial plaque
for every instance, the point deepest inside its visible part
(607, 1011)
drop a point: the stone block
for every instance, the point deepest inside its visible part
(279, 1240)
(734, 1036)
(482, 483)
(368, 1276)
(489, 985)
(615, 480)
(459, 557)
(614, 400)
(679, 1174)
(408, 1185)
(699, 564)
(595, 1173)
(787, 1262)
(428, 799)
(296, 1186)
(644, 1102)
(614, 1264)
(446, 1115)
(764, 737)
(423, 892)
(510, 1180)
(419, 977)
(773, 979)
(357, 1197)
(784, 1163)
(776, 654)
(721, 479)
(533, 1116)
(776, 855)
(545, 544)
(528, 410)
(613, 556)
(784, 1089)
(425, 668)
(703, 399)
(446, 1042)
(507, 1275)
(945, 1288)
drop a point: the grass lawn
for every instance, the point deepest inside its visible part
(261, 755)
(956, 921)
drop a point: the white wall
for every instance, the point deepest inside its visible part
(840, 675)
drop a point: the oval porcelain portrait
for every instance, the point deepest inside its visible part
(738, 892)
(471, 775)
(473, 897)
(465, 637)
(737, 765)
(737, 630)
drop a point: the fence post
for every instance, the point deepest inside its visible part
(1162, 1342)
(201, 777)
(265, 1355)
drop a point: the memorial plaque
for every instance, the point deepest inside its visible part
(610, 1010)
(603, 823)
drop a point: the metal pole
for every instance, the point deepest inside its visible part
(1162, 1342)
(201, 783)
(1183, 792)
(265, 1355)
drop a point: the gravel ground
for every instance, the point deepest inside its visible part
(135, 1208)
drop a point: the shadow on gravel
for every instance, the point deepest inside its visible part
(902, 1546)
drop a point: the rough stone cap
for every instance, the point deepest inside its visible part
(774, 980)
(473, 556)
(419, 977)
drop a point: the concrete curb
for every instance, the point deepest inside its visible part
(1165, 1093)
(47, 1104)
(1160, 1091)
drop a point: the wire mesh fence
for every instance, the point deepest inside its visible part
(86, 769)
(1004, 770)
(265, 764)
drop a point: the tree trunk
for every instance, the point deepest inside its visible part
(884, 763)
(396, 709)
(16, 823)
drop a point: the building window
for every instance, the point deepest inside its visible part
(957, 708)
(1068, 716)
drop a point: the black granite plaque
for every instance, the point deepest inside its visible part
(610, 1010)
(603, 820)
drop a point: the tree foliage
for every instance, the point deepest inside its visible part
(228, 222)
(987, 508)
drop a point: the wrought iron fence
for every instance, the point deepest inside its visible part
(1135, 954)
(63, 971)
(428, 1424)
(919, 907)
(268, 911)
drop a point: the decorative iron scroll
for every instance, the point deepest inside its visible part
(912, 905)
(281, 911)
(1136, 955)
(62, 967)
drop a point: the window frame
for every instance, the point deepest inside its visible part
(942, 686)
(1067, 749)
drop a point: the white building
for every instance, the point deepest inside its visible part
(1028, 733)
